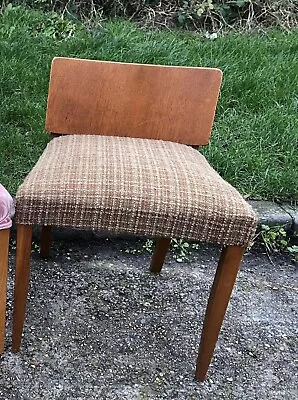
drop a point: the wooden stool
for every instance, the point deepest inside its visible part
(124, 163)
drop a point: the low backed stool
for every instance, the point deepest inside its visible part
(6, 212)
(123, 163)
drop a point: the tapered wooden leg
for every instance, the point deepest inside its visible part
(224, 280)
(4, 243)
(24, 239)
(159, 255)
(45, 241)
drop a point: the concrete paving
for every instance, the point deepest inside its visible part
(100, 326)
(293, 212)
(274, 214)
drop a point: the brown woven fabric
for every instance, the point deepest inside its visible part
(137, 186)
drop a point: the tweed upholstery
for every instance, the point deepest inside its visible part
(137, 186)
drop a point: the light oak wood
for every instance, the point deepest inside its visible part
(23, 255)
(4, 245)
(224, 280)
(133, 100)
(159, 255)
(45, 241)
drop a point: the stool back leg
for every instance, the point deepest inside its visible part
(45, 241)
(159, 255)
(4, 243)
(23, 255)
(221, 290)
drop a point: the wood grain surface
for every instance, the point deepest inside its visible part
(133, 100)
(226, 273)
(22, 272)
(4, 243)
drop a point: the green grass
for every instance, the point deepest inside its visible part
(254, 144)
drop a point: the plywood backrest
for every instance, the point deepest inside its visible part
(134, 100)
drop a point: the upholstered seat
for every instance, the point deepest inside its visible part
(138, 186)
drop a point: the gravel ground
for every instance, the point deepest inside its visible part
(100, 326)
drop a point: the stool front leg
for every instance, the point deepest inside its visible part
(228, 266)
(23, 255)
(4, 243)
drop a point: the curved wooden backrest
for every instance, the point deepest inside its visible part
(134, 100)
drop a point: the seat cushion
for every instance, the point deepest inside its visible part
(137, 186)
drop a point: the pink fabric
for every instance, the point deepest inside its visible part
(6, 208)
